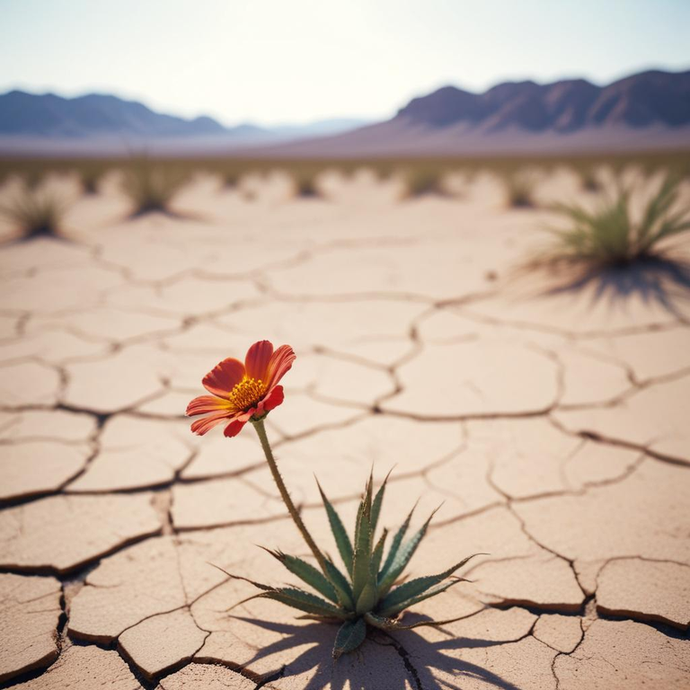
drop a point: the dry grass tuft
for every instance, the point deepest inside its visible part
(589, 179)
(519, 187)
(152, 186)
(35, 213)
(616, 233)
(90, 177)
(422, 181)
(306, 182)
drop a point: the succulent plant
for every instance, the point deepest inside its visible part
(369, 591)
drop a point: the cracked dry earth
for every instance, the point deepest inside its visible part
(553, 425)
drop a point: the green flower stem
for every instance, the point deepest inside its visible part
(285, 495)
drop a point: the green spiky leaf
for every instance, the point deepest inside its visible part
(395, 545)
(305, 601)
(431, 592)
(419, 585)
(376, 505)
(376, 557)
(361, 565)
(349, 637)
(342, 586)
(342, 541)
(403, 557)
(307, 573)
(367, 599)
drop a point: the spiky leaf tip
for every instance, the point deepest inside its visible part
(413, 588)
(342, 540)
(378, 502)
(403, 557)
(395, 544)
(361, 564)
(305, 601)
(350, 636)
(307, 573)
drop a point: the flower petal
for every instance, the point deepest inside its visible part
(233, 428)
(274, 398)
(257, 360)
(205, 404)
(280, 364)
(205, 424)
(238, 421)
(224, 377)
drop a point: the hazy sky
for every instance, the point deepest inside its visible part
(272, 61)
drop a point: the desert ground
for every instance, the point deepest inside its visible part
(547, 414)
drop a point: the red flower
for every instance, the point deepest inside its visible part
(242, 391)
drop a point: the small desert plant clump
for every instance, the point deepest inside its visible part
(519, 188)
(612, 234)
(152, 186)
(90, 177)
(33, 177)
(305, 183)
(35, 213)
(231, 178)
(423, 181)
(589, 179)
(368, 592)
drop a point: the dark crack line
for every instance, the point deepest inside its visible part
(404, 655)
(621, 443)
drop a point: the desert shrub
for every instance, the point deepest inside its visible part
(35, 213)
(90, 177)
(613, 234)
(589, 179)
(419, 181)
(231, 177)
(384, 170)
(305, 182)
(33, 177)
(152, 186)
(519, 186)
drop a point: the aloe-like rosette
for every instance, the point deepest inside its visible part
(367, 592)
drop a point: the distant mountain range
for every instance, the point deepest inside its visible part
(87, 120)
(642, 100)
(646, 110)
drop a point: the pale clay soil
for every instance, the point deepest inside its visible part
(551, 420)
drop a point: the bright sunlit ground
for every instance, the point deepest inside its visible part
(546, 410)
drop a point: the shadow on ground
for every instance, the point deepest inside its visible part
(655, 280)
(385, 661)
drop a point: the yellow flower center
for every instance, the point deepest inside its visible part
(247, 393)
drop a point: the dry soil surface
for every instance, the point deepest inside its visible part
(548, 413)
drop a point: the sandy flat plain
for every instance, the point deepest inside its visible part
(549, 415)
